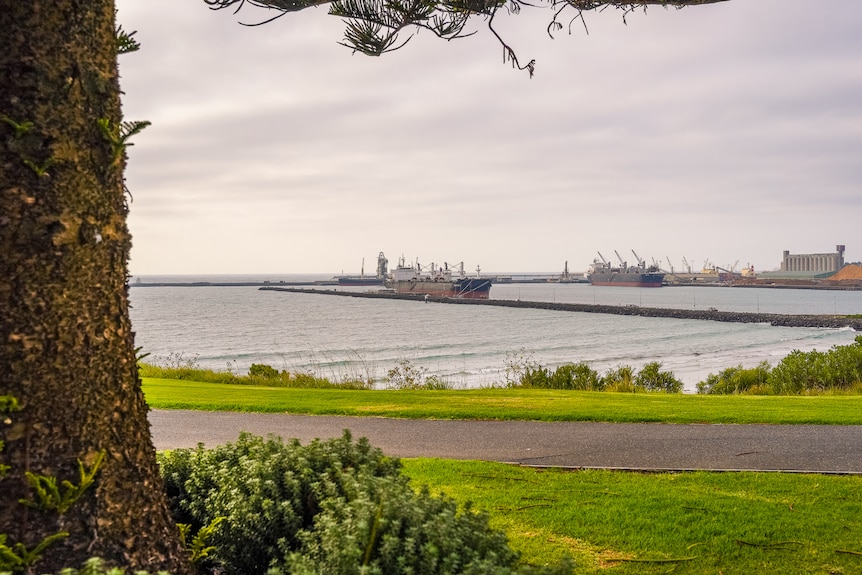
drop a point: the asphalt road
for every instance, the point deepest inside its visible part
(645, 446)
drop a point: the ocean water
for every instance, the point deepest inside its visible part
(229, 328)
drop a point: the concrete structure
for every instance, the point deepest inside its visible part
(814, 263)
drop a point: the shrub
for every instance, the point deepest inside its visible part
(535, 377)
(580, 376)
(380, 525)
(405, 375)
(262, 371)
(577, 376)
(569, 376)
(652, 378)
(843, 366)
(737, 380)
(518, 365)
(334, 507)
(620, 379)
(797, 372)
(836, 370)
(840, 368)
(267, 490)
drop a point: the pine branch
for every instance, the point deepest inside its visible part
(125, 42)
(373, 26)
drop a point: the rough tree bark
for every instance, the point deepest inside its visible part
(66, 345)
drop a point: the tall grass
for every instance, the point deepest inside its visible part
(836, 371)
(254, 378)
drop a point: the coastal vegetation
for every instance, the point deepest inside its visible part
(838, 370)
(835, 371)
(178, 366)
(523, 371)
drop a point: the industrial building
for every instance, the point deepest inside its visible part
(814, 263)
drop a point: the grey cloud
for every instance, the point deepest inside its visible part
(730, 114)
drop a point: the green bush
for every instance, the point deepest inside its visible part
(380, 525)
(737, 380)
(844, 365)
(837, 370)
(621, 379)
(535, 376)
(267, 490)
(334, 507)
(262, 371)
(569, 376)
(797, 372)
(580, 376)
(652, 378)
(577, 376)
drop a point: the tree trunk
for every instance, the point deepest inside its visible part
(66, 345)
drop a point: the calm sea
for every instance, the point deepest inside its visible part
(229, 328)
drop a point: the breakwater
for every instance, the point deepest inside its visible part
(234, 284)
(710, 314)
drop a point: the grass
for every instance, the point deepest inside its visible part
(682, 523)
(630, 523)
(507, 404)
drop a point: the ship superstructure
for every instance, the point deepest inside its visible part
(441, 281)
(603, 273)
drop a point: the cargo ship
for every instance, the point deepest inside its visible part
(438, 281)
(603, 273)
(364, 280)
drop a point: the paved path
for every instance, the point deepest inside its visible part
(645, 446)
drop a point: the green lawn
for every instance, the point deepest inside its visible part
(502, 404)
(681, 523)
(611, 522)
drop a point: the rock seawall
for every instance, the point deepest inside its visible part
(828, 321)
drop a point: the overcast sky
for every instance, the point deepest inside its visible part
(727, 133)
